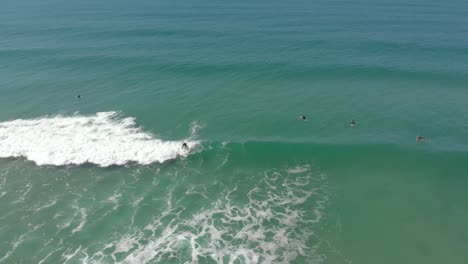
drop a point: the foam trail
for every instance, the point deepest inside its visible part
(83, 221)
(103, 139)
(273, 226)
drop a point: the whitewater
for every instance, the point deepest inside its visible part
(103, 139)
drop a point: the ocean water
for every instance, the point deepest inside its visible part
(103, 178)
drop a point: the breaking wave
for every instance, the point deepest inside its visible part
(104, 139)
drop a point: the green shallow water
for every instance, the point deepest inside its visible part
(259, 185)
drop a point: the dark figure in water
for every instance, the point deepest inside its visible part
(185, 146)
(352, 123)
(420, 138)
(303, 117)
(78, 96)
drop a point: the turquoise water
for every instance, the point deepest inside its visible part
(103, 178)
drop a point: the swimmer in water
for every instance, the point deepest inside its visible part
(352, 123)
(185, 146)
(302, 117)
(420, 138)
(78, 96)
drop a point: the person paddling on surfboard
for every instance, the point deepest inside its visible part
(420, 138)
(352, 123)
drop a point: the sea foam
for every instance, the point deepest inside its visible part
(272, 226)
(103, 139)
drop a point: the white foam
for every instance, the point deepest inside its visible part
(52, 203)
(125, 244)
(115, 199)
(68, 257)
(194, 128)
(28, 188)
(82, 222)
(48, 255)
(103, 139)
(299, 169)
(273, 226)
(137, 202)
